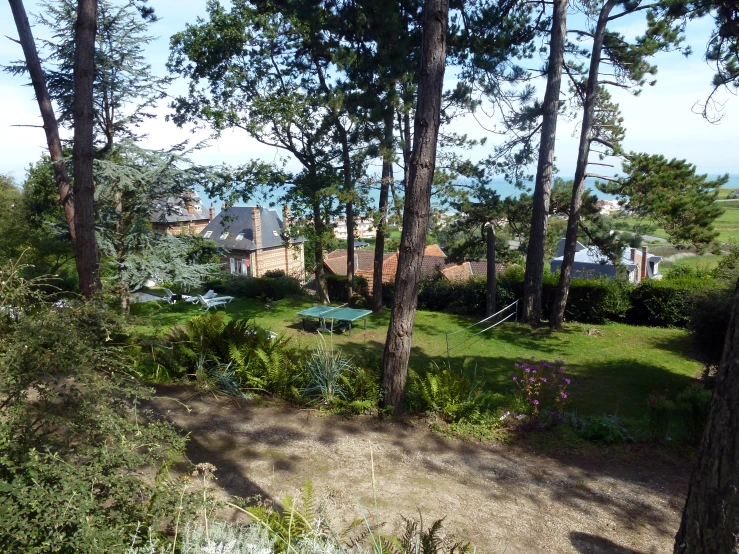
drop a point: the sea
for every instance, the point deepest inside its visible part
(500, 185)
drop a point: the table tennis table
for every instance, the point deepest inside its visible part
(341, 314)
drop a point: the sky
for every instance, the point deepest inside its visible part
(659, 121)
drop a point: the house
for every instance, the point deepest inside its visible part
(176, 216)
(591, 263)
(606, 207)
(252, 238)
(364, 228)
(364, 262)
(468, 270)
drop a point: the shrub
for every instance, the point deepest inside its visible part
(659, 415)
(693, 405)
(338, 287)
(327, 374)
(709, 320)
(271, 288)
(668, 302)
(75, 443)
(541, 386)
(598, 300)
(445, 392)
(274, 273)
(608, 429)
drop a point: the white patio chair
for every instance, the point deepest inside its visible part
(206, 304)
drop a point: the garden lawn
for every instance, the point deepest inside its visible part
(614, 367)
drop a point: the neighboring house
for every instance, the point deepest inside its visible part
(252, 237)
(591, 263)
(364, 263)
(177, 216)
(468, 270)
(606, 207)
(364, 228)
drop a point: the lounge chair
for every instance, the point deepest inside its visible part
(207, 304)
(194, 299)
(170, 296)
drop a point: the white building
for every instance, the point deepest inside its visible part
(364, 228)
(607, 207)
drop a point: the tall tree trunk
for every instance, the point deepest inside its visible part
(350, 255)
(47, 111)
(417, 204)
(387, 179)
(86, 248)
(559, 302)
(321, 286)
(492, 284)
(710, 521)
(542, 189)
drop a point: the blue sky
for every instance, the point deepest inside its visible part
(659, 121)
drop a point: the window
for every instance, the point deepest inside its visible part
(240, 236)
(224, 235)
(275, 233)
(208, 234)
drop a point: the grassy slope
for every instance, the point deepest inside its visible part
(614, 370)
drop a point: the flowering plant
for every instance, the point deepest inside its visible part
(541, 385)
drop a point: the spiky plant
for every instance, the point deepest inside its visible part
(327, 370)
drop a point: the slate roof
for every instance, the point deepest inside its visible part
(237, 220)
(174, 210)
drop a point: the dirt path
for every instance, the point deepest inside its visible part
(502, 498)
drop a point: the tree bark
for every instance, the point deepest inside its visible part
(542, 189)
(417, 204)
(492, 284)
(387, 179)
(321, 286)
(86, 248)
(559, 302)
(51, 128)
(710, 522)
(350, 249)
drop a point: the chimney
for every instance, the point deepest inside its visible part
(211, 213)
(190, 208)
(223, 206)
(644, 273)
(256, 227)
(286, 218)
(633, 254)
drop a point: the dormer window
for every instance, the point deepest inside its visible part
(208, 234)
(224, 236)
(240, 236)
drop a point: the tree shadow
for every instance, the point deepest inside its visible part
(592, 544)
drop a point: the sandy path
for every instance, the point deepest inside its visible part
(497, 496)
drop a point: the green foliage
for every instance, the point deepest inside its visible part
(709, 320)
(693, 405)
(668, 302)
(727, 270)
(541, 386)
(598, 300)
(72, 430)
(268, 288)
(415, 540)
(607, 429)
(445, 392)
(338, 287)
(672, 194)
(660, 411)
(328, 373)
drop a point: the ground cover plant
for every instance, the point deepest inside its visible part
(614, 367)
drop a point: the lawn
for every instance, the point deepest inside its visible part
(615, 367)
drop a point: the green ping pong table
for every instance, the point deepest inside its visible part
(341, 314)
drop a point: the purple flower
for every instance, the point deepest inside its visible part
(516, 365)
(527, 369)
(543, 379)
(534, 371)
(563, 395)
(535, 402)
(514, 377)
(561, 370)
(531, 379)
(520, 416)
(567, 381)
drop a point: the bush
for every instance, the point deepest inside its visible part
(668, 302)
(541, 386)
(598, 300)
(659, 416)
(608, 429)
(445, 392)
(693, 405)
(269, 288)
(338, 287)
(709, 320)
(74, 442)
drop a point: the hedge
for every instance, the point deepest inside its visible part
(271, 288)
(338, 287)
(667, 303)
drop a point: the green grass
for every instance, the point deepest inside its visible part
(613, 370)
(723, 193)
(706, 261)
